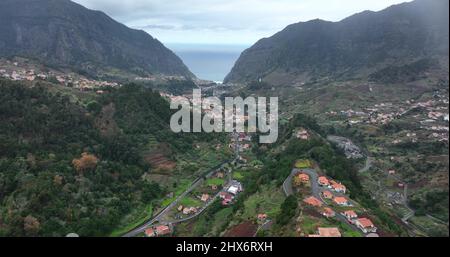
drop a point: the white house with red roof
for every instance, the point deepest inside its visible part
(366, 225)
(323, 181)
(350, 214)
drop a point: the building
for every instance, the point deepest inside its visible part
(366, 225)
(149, 232)
(235, 187)
(233, 190)
(327, 232)
(262, 217)
(301, 178)
(341, 201)
(323, 181)
(313, 201)
(327, 194)
(226, 197)
(350, 214)
(302, 134)
(328, 212)
(205, 198)
(162, 230)
(338, 187)
(189, 210)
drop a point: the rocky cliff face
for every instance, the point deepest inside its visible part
(65, 34)
(356, 46)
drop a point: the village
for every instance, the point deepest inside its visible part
(220, 185)
(330, 200)
(431, 113)
(23, 70)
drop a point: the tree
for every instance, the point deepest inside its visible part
(288, 210)
(31, 225)
(85, 163)
(94, 107)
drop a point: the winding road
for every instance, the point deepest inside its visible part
(316, 191)
(195, 184)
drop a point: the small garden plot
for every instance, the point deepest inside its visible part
(238, 175)
(303, 164)
(215, 182)
(268, 200)
(189, 201)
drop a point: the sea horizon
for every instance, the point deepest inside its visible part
(208, 61)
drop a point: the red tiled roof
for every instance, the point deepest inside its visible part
(162, 230)
(303, 177)
(149, 232)
(365, 222)
(327, 194)
(340, 200)
(328, 211)
(329, 232)
(313, 201)
(324, 180)
(350, 213)
(338, 186)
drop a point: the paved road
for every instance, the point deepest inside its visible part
(195, 184)
(197, 213)
(163, 212)
(367, 165)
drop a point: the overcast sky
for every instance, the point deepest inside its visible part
(240, 22)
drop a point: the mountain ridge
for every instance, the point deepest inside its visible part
(66, 34)
(358, 45)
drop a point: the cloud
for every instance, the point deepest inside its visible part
(156, 26)
(225, 21)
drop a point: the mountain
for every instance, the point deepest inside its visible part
(356, 46)
(62, 33)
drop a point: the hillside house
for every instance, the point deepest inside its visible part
(366, 225)
(313, 201)
(262, 217)
(162, 230)
(301, 178)
(341, 201)
(149, 232)
(327, 194)
(205, 198)
(302, 134)
(327, 232)
(323, 181)
(328, 212)
(226, 197)
(350, 215)
(338, 187)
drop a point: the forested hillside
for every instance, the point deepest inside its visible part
(76, 165)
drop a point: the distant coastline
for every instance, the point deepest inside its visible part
(209, 62)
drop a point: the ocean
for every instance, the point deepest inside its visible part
(209, 62)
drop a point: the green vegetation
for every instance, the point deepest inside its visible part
(303, 164)
(238, 175)
(215, 181)
(190, 202)
(288, 210)
(435, 201)
(137, 217)
(76, 164)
